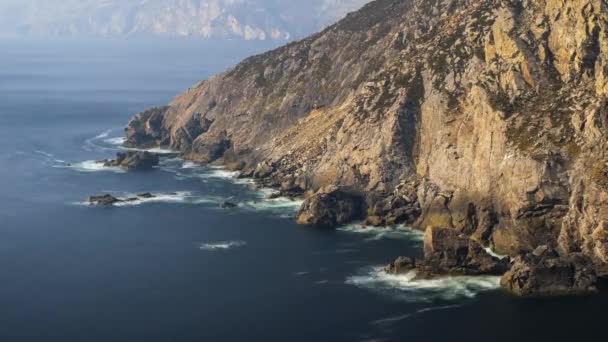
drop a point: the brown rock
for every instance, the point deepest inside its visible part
(402, 265)
(331, 209)
(549, 274)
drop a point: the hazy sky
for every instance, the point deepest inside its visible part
(243, 19)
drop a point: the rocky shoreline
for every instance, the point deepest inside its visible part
(485, 126)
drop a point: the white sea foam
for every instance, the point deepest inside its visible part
(379, 233)
(102, 135)
(91, 166)
(491, 251)
(285, 207)
(218, 173)
(222, 246)
(407, 287)
(101, 142)
(185, 197)
(190, 165)
(175, 197)
(118, 141)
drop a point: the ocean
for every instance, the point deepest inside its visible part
(178, 267)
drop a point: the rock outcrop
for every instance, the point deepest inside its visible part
(109, 200)
(331, 208)
(448, 253)
(545, 273)
(134, 160)
(485, 117)
(103, 200)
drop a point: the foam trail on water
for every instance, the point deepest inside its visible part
(102, 135)
(379, 233)
(43, 153)
(101, 142)
(396, 319)
(406, 287)
(221, 246)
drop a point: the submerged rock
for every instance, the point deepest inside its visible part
(228, 205)
(146, 195)
(331, 209)
(134, 160)
(544, 273)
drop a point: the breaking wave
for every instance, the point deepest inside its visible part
(406, 287)
(222, 246)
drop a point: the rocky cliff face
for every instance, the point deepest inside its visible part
(488, 117)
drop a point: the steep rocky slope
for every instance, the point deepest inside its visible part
(488, 117)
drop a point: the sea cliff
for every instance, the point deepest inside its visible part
(484, 117)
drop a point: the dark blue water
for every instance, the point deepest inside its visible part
(178, 268)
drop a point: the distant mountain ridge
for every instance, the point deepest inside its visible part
(209, 19)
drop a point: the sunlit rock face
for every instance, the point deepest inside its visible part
(210, 19)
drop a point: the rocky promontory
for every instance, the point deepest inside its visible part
(485, 120)
(133, 160)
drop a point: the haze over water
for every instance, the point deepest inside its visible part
(178, 268)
